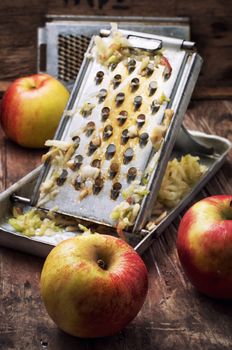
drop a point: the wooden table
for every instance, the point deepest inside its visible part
(174, 316)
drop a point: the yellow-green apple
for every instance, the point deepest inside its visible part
(31, 109)
(93, 285)
(204, 245)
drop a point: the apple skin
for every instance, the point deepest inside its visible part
(31, 109)
(165, 62)
(86, 300)
(204, 246)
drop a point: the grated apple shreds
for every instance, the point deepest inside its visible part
(126, 212)
(32, 224)
(118, 48)
(36, 223)
(59, 154)
(87, 108)
(180, 176)
(111, 52)
(159, 131)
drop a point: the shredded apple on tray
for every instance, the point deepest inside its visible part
(179, 178)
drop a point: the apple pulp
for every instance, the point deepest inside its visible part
(204, 246)
(93, 285)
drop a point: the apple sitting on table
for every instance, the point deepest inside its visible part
(204, 245)
(31, 109)
(93, 285)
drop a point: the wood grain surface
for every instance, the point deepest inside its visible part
(211, 28)
(174, 316)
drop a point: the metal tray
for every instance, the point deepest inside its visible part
(186, 65)
(42, 245)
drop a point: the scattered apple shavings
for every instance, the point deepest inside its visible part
(111, 52)
(159, 131)
(59, 155)
(132, 131)
(163, 98)
(89, 172)
(157, 135)
(158, 218)
(84, 193)
(68, 154)
(87, 108)
(144, 64)
(85, 230)
(60, 152)
(50, 154)
(60, 144)
(179, 178)
(48, 189)
(146, 58)
(135, 192)
(126, 212)
(32, 224)
(168, 114)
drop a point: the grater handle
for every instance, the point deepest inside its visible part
(138, 42)
(148, 44)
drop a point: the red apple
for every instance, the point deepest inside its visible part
(204, 246)
(93, 285)
(31, 109)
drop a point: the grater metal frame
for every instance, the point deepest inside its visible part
(181, 95)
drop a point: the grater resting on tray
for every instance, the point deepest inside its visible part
(118, 130)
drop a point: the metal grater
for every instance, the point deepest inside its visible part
(96, 85)
(64, 40)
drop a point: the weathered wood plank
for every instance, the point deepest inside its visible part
(20, 161)
(212, 93)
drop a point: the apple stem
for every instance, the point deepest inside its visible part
(101, 264)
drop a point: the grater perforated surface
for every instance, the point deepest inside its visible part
(71, 51)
